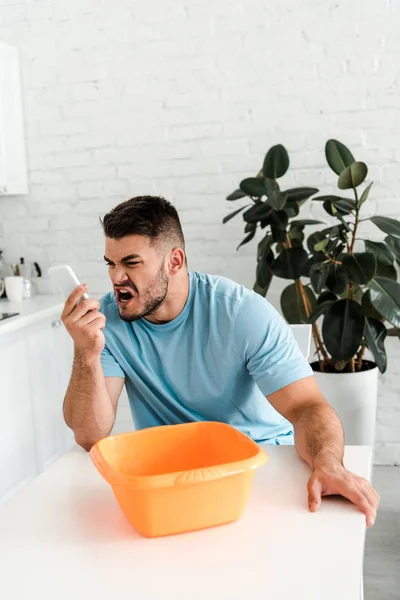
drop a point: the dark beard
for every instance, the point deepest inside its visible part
(152, 300)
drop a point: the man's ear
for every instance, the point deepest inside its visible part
(176, 260)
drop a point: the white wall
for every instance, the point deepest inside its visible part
(182, 98)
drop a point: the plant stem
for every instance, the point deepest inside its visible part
(332, 260)
(360, 357)
(315, 331)
(352, 365)
(355, 223)
(307, 309)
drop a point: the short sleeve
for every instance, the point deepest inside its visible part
(267, 346)
(111, 367)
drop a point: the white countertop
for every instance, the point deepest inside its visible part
(30, 309)
(64, 537)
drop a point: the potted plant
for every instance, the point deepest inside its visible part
(353, 289)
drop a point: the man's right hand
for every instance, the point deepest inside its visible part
(84, 323)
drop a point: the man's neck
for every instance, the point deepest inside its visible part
(174, 303)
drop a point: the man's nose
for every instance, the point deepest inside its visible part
(119, 275)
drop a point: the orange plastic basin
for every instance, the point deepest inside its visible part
(179, 478)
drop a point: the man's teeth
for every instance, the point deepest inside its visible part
(124, 295)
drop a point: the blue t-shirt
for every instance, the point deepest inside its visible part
(216, 361)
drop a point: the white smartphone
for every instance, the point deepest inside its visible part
(65, 280)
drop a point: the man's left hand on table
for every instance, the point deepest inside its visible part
(334, 479)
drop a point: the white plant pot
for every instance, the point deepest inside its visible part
(353, 396)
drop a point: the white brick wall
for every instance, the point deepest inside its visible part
(182, 98)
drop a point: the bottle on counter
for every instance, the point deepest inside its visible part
(30, 272)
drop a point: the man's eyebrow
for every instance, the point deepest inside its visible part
(125, 259)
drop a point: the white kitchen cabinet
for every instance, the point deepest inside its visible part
(18, 463)
(63, 354)
(13, 172)
(48, 348)
(35, 365)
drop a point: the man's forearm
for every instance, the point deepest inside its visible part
(318, 434)
(88, 409)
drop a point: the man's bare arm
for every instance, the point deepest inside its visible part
(317, 428)
(319, 441)
(90, 404)
(91, 401)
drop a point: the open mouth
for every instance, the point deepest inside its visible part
(124, 295)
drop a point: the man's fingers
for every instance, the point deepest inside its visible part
(376, 495)
(92, 315)
(84, 307)
(360, 499)
(97, 324)
(73, 299)
(314, 493)
(347, 484)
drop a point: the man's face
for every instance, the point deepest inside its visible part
(137, 271)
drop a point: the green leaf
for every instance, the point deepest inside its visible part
(321, 309)
(344, 206)
(380, 251)
(343, 329)
(356, 293)
(278, 218)
(253, 186)
(264, 246)
(393, 244)
(263, 273)
(291, 209)
(292, 304)
(318, 274)
(369, 310)
(375, 334)
(307, 267)
(326, 296)
(277, 199)
(320, 246)
(337, 278)
(361, 266)
(250, 227)
(270, 184)
(300, 193)
(247, 239)
(333, 231)
(276, 162)
(296, 237)
(387, 271)
(338, 156)
(339, 216)
(236, 195)
(233, 214)
(385, 297)
(333, 247)
(352, 176)
(365, 194)
(290, 263)
(387, 225)
(279, 234)
(303, 222)
(256, 213)
(313, 239)
(261, 291)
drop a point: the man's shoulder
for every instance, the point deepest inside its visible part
(220, 289)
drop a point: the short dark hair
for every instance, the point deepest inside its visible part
(151, 216)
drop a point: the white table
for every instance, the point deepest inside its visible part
(64, 537)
